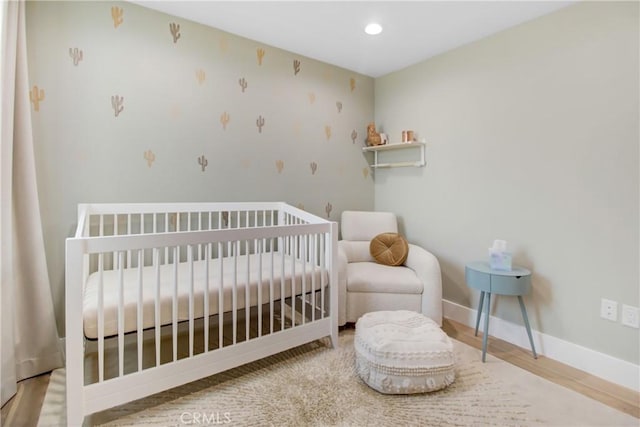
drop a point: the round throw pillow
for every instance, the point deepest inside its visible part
(389, 249)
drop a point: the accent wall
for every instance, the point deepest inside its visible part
(133, 105)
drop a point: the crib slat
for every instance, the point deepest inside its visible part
(259, 251)
(101, 314)
(255, 248)
(282, 293)
(156, 262)
(322, 271)
(247, 290)
(271, 272)
(140, 309)
(220, 296)
(174, 309)
(314, 262)
(120, 313)
(207, 260)
(305, 239)
(234, 294)
(294, 248)
(191, 314)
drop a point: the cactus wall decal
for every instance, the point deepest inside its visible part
(117, 16)
(76, 55)
(279, 165)
(327, 132)
(225, 217)
(312, 97)
(260, 54)
(243, 83)
(352, 84)
(365, 172)
(116, 103)
(354, 135)
(36, 95)
(314, 167)
(175, 31)
(203, 162)
(224, 119)
(328, 209)
(200, 76)
(296, 67)
(260, 123)
(339, 106)
(149, 157)
(300, 206)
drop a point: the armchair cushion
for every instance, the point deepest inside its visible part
(389, 249)
(378, 278)
(364, 226)
(356, 251)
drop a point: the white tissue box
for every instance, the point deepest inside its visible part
(500, 261)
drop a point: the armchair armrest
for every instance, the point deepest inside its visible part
(342, 284)
(427, 268)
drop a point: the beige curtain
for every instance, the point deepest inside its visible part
(29, 341)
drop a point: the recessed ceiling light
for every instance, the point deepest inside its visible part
(373, 29)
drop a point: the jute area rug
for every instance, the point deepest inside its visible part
(314, 385)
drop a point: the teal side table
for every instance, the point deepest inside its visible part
(517, 282)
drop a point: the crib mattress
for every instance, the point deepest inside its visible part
(257, 277)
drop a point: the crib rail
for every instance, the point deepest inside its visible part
(179, 291)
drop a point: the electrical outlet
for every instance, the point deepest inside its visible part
(609, 310)
(630, 316)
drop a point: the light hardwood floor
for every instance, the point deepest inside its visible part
(24, 408)
(620, 398)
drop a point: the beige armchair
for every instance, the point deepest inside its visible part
(365, 285)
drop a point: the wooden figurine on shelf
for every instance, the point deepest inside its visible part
(373, 137)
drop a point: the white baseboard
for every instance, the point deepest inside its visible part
(595, 363)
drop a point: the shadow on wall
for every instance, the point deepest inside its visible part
(541, 291)
(454, 287)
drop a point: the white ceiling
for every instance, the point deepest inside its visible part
(332, 31)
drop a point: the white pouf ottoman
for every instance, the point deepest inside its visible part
(403, 352)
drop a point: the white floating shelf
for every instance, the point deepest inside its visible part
(399, 146)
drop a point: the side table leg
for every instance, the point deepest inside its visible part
(486, 326)
(479, 311)
(526, 324)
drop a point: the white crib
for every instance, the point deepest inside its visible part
(166, 294)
